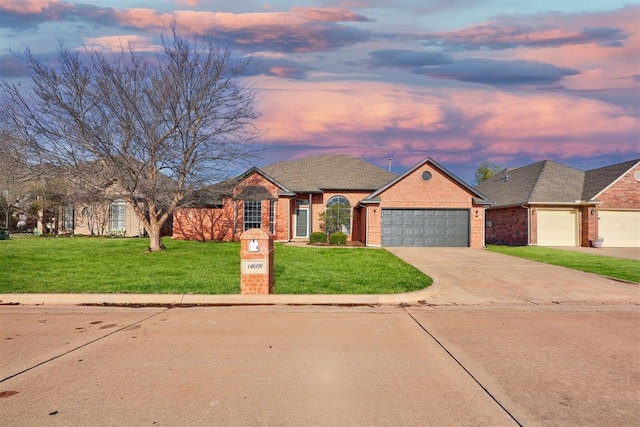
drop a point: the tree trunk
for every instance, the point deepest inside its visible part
(155, 238)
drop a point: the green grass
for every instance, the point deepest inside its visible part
(618, 268)
(104, 265)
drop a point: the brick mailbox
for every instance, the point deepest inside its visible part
(256, 262)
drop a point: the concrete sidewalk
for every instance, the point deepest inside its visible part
(216, 300)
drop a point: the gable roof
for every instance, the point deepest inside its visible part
(550, 182)
(598, 180)
(479, 198)
(328, 172)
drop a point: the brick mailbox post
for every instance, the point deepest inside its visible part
(256, 262)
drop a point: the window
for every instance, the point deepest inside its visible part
(337, 216)
(67, 218)
(272, 216)
(252, 214)
(116, 215)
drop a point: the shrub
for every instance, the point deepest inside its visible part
(318, 237)
(338, 238)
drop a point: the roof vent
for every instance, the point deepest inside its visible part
(506, 174)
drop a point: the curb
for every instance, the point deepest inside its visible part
(216, 300)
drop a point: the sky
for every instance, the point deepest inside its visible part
(510, 82)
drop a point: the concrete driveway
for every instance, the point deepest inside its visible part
(478, 276)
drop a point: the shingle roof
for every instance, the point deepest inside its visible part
(597, 180)
(549, 182)
(328, 172)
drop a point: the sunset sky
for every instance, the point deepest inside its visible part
(462, 81)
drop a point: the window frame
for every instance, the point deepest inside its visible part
(252, 210)
(336, 200)
(272, 216)
(117, 215)
(68, 214)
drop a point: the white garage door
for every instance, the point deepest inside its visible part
(557, 227)
(620, 229)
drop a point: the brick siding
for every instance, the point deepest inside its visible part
(623, 194)
(507, 226)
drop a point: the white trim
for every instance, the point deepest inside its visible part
(616, 180)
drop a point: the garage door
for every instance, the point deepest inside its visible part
(425, 227)
(620, 229)
(557, 227)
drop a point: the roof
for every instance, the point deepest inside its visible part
(479, 198)
(255, 193)
(550, 182)
(597, 180)
(328, 172)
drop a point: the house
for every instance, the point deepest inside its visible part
(425, 206)
(550, 204)
(106, 213)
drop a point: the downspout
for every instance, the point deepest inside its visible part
(528, 225)
(310, 225)
(289, 220)
(235, 220)
(366, 225)
(484, 230)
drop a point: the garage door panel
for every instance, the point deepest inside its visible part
(619, 228)
(425, 227)
(557, 227)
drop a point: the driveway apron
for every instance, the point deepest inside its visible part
(478, 276)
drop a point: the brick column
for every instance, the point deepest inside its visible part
(256, 262)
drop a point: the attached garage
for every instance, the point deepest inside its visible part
(425, 227)
(557, 227)
(619, 228)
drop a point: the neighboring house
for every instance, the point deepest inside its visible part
(425, 206)
(550, 204)
(104, 214)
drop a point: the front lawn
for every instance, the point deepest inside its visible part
(104, 265)
(618, 268)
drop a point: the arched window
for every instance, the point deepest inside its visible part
(337, 216)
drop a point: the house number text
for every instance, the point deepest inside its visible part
(254, 266)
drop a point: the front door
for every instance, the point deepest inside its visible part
(302, 223)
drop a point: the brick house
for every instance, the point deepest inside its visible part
(425, 206)
(550, 204)
(106, 213)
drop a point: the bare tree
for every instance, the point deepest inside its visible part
(162, 126)
(16, 177)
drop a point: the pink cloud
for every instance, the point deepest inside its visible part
(117, 43)
(27, 7)
(373, 119)
(327, 14)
